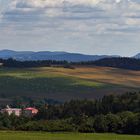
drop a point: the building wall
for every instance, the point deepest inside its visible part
(10, 111)
(29, 112)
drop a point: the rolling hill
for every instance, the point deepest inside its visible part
(65, 84)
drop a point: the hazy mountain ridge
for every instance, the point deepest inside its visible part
(47, 55)
(137, 56)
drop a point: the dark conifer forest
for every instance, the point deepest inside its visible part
(120, 62)
(117, 114)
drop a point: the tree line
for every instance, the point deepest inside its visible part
(119, 62)
(117, 114)
(27, 64)
(116, 62)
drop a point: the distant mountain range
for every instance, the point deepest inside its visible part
(137, 56)
(46, 55)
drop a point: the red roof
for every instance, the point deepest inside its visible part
(30, 108)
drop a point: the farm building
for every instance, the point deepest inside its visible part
(30, 112)
(9, 111)
(1, 64)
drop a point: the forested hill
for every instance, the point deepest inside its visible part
(122, 62)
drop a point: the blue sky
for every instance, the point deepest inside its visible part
(84, 26)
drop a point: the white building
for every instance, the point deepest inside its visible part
(9, 111)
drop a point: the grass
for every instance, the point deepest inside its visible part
(63, 136)
(65, 84)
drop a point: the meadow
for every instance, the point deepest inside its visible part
(63, 136)
(65, 84)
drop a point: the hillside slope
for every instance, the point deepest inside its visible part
(66, 84)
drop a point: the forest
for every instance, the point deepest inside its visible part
(116, 62)
(115, 114)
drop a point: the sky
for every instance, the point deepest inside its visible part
(83, 26)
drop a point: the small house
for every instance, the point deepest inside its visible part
(9, 111)
(30, 111)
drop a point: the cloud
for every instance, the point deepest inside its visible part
(96, 24)
(97, 16)
(54, 3)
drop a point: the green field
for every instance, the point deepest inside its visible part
(63, 136)
(65, 84)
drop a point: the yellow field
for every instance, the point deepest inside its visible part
(121, 77)
(65, 84)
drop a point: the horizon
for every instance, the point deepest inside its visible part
(110, 27)
(67, 52)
